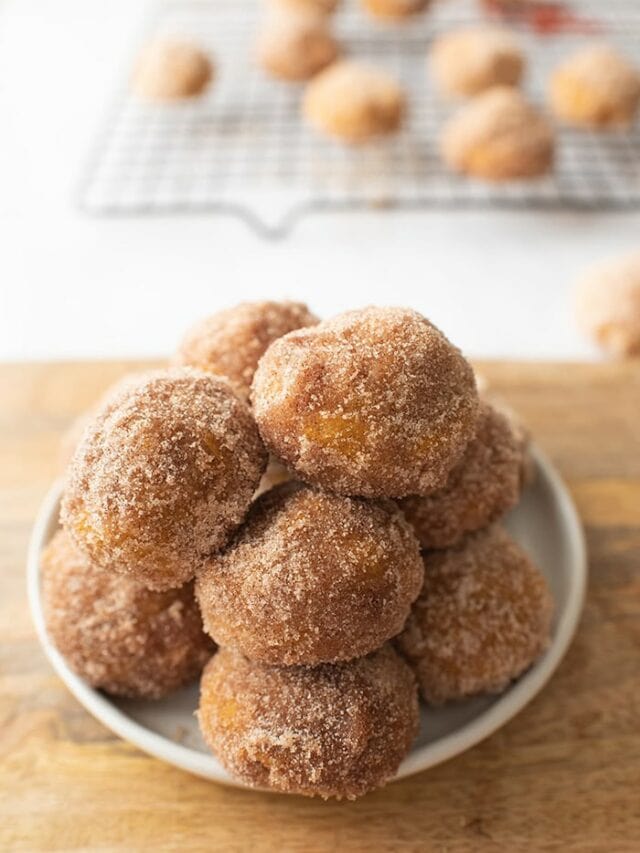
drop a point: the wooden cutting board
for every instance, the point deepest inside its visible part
(564, 775)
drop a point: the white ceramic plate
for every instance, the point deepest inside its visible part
(545, 523)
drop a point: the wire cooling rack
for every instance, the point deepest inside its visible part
(243, 148)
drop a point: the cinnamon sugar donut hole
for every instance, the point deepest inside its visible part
(116, 634)
(354, 103)
(375, 402)
(607, 304)
(595, 88)
(311, 578)
(320, 7)
(337, 730)
(468, 61)
(395, 10)
(73, 435)
(483, 617)
(231, 342)
(171, 69)
(295, 46)
(498, 136)
(163, 476)
(482, 487)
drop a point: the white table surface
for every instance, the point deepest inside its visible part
(499, 284)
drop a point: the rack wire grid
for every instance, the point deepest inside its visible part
(243, 147)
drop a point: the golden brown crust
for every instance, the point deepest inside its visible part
(498, 136)
(169, 69)
(72, 437)
(375, 402)
(231, 342)
(163, 476)
(482, 487)
(465, 62)
(354, 102)
(311, 578)
(597, 88)
(607, 303)
(395, 10)
(321, 7)
(296, 46)
(116, 634)
(336, 730)
(482, 619)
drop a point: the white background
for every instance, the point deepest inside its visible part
(71, 286)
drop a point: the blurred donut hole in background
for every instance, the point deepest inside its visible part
(320, 106)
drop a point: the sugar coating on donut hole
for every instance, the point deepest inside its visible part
(469, 61)
(311, 578)
(171, 69)
(295, 46)
(354, 102)
(482, 619)
(482, 487)
(375, 402)
(231, 342)
(498, 136)
(519, 430)
(163, 476)
(320, 7)
(336, 730)
(607, 306)
(596, 88)
(116, 634)
(395, 10)
(73, 435)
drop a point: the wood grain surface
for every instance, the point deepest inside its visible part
(564, 775)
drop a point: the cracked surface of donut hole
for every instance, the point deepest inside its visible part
(231, 342)
(336, 730)
(375, 402)
(311, 577)
(274, 474)
(482, 619)
(482, 487)
(163, 476)
(116, 634)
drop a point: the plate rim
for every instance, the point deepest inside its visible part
(510, 703)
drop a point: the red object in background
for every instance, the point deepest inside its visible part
(544, 18)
